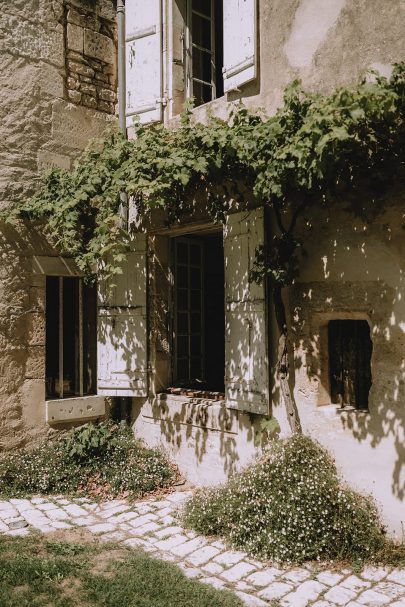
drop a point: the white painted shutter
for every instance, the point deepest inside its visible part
(246, 344)
(239, 43)
(122, 337)
(143, 35)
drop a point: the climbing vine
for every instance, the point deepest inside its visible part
(317, 150)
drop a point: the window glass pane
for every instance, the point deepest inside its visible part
(182, 346)
(182, 369)
(195, 368)
(195, 345)
(195, 255)
(202, 6)
(182, 299)
(182, 276)
(202, 93)
(195, 278)
(182, 252)
(201, 32)
(195, 322)
(70, 336)
(201, 65)
(89, 339)
(195, 300)
(52, 337)
(182, 323)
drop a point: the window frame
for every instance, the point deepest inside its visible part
(79, 328)
(189, 45)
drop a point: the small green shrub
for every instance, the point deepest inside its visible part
(99, 459)
(290, 506)
(90, 440)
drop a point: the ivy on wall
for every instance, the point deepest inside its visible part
(317, 149)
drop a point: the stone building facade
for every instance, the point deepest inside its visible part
(58, 90)
(185, 337)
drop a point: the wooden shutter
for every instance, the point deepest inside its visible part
(246, 359)
(122, 336)
(239, 43)
(143, 34)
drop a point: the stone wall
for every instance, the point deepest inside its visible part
(41, 127)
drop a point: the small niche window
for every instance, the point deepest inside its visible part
(71, 338)
(350, 349)
(204, 50)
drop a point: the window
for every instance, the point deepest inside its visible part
(186, 48)
(199, 323)
(350, 350)
(204, 50)
(71, 338)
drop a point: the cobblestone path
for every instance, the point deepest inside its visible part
(153, 526)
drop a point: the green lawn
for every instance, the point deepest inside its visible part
(40, 572)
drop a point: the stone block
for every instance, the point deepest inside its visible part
(51, 80)
(89, 101)
(340, 595)
(35, 367)
(99, 46)
(260, 579)
(75, 38)
(72, 83)
(107, 95)
(89, 89)
(36, 329)
(275, 591)
(104, 106)
(74, 96)
(202, 555)
(77, 67)
(237, 572)
(47, 159)
(74, 409)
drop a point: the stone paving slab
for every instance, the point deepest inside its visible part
(153, 526)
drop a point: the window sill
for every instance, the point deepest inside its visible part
(77, 409)
(333, 409)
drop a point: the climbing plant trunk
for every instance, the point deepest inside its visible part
(283, 363)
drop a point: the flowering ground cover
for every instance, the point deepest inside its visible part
(102, 460)
(291, 506)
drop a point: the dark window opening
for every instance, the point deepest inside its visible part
(71, 338)
(350, 350)
(205, 50)
(199, 316)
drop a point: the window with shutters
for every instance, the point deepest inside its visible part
(71, 339)
(350, 349)
(204, 50)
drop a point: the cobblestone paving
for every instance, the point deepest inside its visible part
(153, 526)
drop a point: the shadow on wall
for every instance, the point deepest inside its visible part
(356, 272)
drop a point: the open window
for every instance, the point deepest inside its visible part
(350, 349)
(204, 50)
(71, 338)
(199, 323)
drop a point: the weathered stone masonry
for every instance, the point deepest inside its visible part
(49, 49)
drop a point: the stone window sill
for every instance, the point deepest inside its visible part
(77, 409)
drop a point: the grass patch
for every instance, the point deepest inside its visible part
(100, 460)
(36, 572)
(291, 506)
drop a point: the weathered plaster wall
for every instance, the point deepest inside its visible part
(40, 127)
(324, 43)
(355, 270)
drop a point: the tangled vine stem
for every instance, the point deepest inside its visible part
(316, 150)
